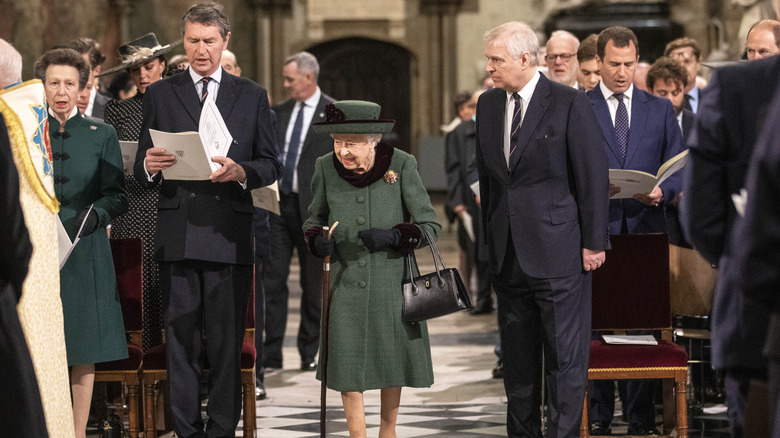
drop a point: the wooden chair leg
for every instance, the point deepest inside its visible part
(682, 408)
(150, 425)
(584, 428)
(132, 408)
(669, 415)
(250, 411)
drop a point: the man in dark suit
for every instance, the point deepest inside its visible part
(543, 187)
(204, 228)
(666, 79)
(687, 52)
(733, 112)
(301, 147)
(642, 133)
(758, 254)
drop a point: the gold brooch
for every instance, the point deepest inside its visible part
(391, 177)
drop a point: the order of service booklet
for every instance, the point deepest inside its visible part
(129, 148)
(194, 150)
(66, 246)
(267, 198)
(632, 182)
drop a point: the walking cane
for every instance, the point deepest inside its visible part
(325, 315)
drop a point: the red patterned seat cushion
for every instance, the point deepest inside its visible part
(665, 354)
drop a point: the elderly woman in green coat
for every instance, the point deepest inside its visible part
(376, 195)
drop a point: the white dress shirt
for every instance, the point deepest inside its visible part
(612, 102)
(308, 115)
(525, 98)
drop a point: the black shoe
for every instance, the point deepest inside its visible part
(260, 393)
(272, 363)
(638, 429)
(308, 365)
(482, 309)
(498, 371)
(600, 428)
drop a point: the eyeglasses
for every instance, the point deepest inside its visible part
(565, 57)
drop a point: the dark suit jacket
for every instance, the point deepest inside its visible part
(459, 146)
(654, 137)
(202, 220)
(555, 199)
(758, 254)
(99, 106)
(687, 125)
(314, 146)
(731, 116)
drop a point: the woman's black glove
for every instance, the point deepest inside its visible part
(323, 246)
(90, 225)
(376, 239)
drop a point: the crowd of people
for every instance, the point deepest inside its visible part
(527, 163)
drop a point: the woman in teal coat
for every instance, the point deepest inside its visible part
(376, 195)
(87, 173)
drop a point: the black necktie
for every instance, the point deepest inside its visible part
(205, 91)
(292, 153)
(687, 102)
(621, 125)
(513, 135)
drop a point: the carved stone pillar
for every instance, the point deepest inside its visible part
(269, 44)
(441, 51)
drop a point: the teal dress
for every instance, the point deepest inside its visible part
(369, 344)
(88, 171)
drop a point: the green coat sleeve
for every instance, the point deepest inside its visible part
(416, 200)
(113, 199)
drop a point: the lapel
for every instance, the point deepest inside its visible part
(605, 120)
(185, 91)
(494, 114)
(227, 95)
(319, 116)
(639, 113)
(537, 107)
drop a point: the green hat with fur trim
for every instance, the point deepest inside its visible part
(353, 117)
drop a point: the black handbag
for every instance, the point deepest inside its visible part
(436, 294)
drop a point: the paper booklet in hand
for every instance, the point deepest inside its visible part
(193, 150)
(129, 148)
(66, 246)
(267, 198)
(632, 182)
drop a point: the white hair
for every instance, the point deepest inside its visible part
(564, 34)
(10, 64)
(519, 38)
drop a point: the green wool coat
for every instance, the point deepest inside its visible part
(370, 347)
(88, 170)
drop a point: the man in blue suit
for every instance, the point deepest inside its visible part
(642, 133)
(204, 228)
(543, 187)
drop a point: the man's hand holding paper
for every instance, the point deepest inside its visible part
(158, 159)
(229, 171)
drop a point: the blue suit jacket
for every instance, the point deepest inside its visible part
(201, 220)
(653, 138)
(554, 201)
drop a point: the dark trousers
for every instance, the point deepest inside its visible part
(259, 322)
(21, 412)
(205, 300)
(286, 235)
(549, 317)
(638, 398)
(737, 386)
(774, 395)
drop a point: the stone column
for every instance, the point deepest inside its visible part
(270, 41)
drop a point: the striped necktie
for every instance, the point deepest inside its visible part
(514, 133)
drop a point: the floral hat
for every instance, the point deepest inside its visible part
(353, 117)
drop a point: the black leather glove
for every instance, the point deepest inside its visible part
(376, 239)
(324, 246)
(90, 225)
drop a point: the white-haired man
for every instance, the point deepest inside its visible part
(561, 57)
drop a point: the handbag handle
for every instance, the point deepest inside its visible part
(437, 258)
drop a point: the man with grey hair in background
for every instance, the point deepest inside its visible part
(300, 148)
(537, 136)
(561, 57)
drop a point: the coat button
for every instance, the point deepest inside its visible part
(217, 197)
(361, 221)
(360, 199)
(362, 263)
(192, 195)
(362, 283)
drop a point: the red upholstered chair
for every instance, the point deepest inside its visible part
(156, 369)
(128, 260)
(631, 292)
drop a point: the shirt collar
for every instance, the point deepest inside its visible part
(72, 114)
(694, 93)
(314, 99)
(216, 76)
(528, 90)
(608, 93)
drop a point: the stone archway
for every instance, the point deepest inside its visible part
(368, 69)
